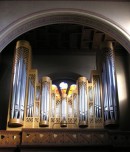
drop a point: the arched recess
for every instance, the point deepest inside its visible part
(64, 75)
(68, 77)
(57, 16)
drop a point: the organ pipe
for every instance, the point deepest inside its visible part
(64, 110)
(109, 85)
(83, 102)
(45, 102)
(97, 97)
(21, 66)
(53, 100)
(37, 100)
(30, 101)
(75, 104)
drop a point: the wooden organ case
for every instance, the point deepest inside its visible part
(44, 116)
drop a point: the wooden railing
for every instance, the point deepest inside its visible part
(64, 137)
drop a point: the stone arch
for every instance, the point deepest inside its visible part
(57, 16)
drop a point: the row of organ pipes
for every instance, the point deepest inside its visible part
(89, 103)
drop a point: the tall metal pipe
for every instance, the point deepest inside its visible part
(109, 86)
(83, 102)
(64, 110)
(21, 66)
(45, 102)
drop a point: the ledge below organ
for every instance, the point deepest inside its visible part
(64, 139)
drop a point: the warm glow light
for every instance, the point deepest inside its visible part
(121, 84)
(53, 87)
(72, 88)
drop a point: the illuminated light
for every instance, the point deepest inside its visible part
(63, 87)
(72, 88)
(53, 87)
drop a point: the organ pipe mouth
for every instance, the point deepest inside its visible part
(15, 123)
(111, 124)
(63, 123)
(83, 124)
(44, 123)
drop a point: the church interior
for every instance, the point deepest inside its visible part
(64, 87)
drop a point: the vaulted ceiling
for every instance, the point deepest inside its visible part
(65, 39)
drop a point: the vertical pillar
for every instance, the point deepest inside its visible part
(21, 66)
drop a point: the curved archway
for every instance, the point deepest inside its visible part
(57, 16)
(64, 75)
(68, 77)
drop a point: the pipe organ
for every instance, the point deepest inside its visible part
(109, 85)
(45, 102)
(82, 102)
(95, 95)
(31, 102)
(21, 67)
(64, 110)
(39, 104)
